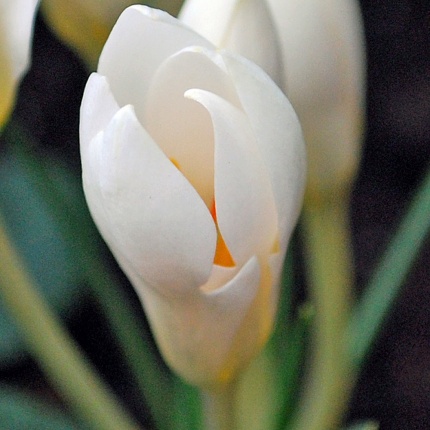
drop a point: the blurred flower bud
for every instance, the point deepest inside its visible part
(16, 33)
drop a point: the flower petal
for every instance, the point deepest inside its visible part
(131, 56)
(245, 207)
(278, 136)
(16, 19)
(219, 276)
(246, 28)
(323, 47)
(181, 127)
(97, 109)
(209, 18)
(149, 214)
(195, 335)
(16, 31)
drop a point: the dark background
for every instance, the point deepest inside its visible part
(395, 386)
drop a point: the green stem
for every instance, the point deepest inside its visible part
(268, 387)
(55, 351)
(380, 294)
(328, 253)
(219, 408)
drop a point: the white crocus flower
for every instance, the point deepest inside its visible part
(323, 48)
(322, 51)
(193, 168)
(16, 32)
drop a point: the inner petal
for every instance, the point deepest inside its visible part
(183, 129)
(131, 56)
(246, 211)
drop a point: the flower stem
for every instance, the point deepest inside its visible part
(219, 408)
(328, 254)
(55, 351)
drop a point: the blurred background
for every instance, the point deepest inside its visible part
(394, 389)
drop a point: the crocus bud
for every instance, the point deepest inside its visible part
(321, 44)
(193, 169)
(84, 25)
(323, 50)
(16, 32)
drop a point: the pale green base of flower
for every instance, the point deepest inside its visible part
(220, 408)
(329, 262)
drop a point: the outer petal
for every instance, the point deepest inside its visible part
(131, 56)
(181, 127)
(245, 27)
(196, 334)
(148, 213)
(278, 136)
(17, 27)
(97, 109)
(245, 206)
(211, 19)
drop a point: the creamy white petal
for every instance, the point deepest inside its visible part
(323, 48)
(16, 18)
(278, 136)
(211, 19)
(181, 127)
(155, 219)
(245, 206)
(219, 276)
(131, 54)
(97, 109)
(196, 334)
(244, 27)
(16, 31)
(253, 34)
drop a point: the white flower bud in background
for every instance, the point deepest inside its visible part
(323, 50)
(16, 33)
(323, 58)
(193, 169)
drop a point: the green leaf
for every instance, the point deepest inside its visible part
(383, 289)
(37, 234)
(20, 411)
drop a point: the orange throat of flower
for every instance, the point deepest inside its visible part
(222, 253)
